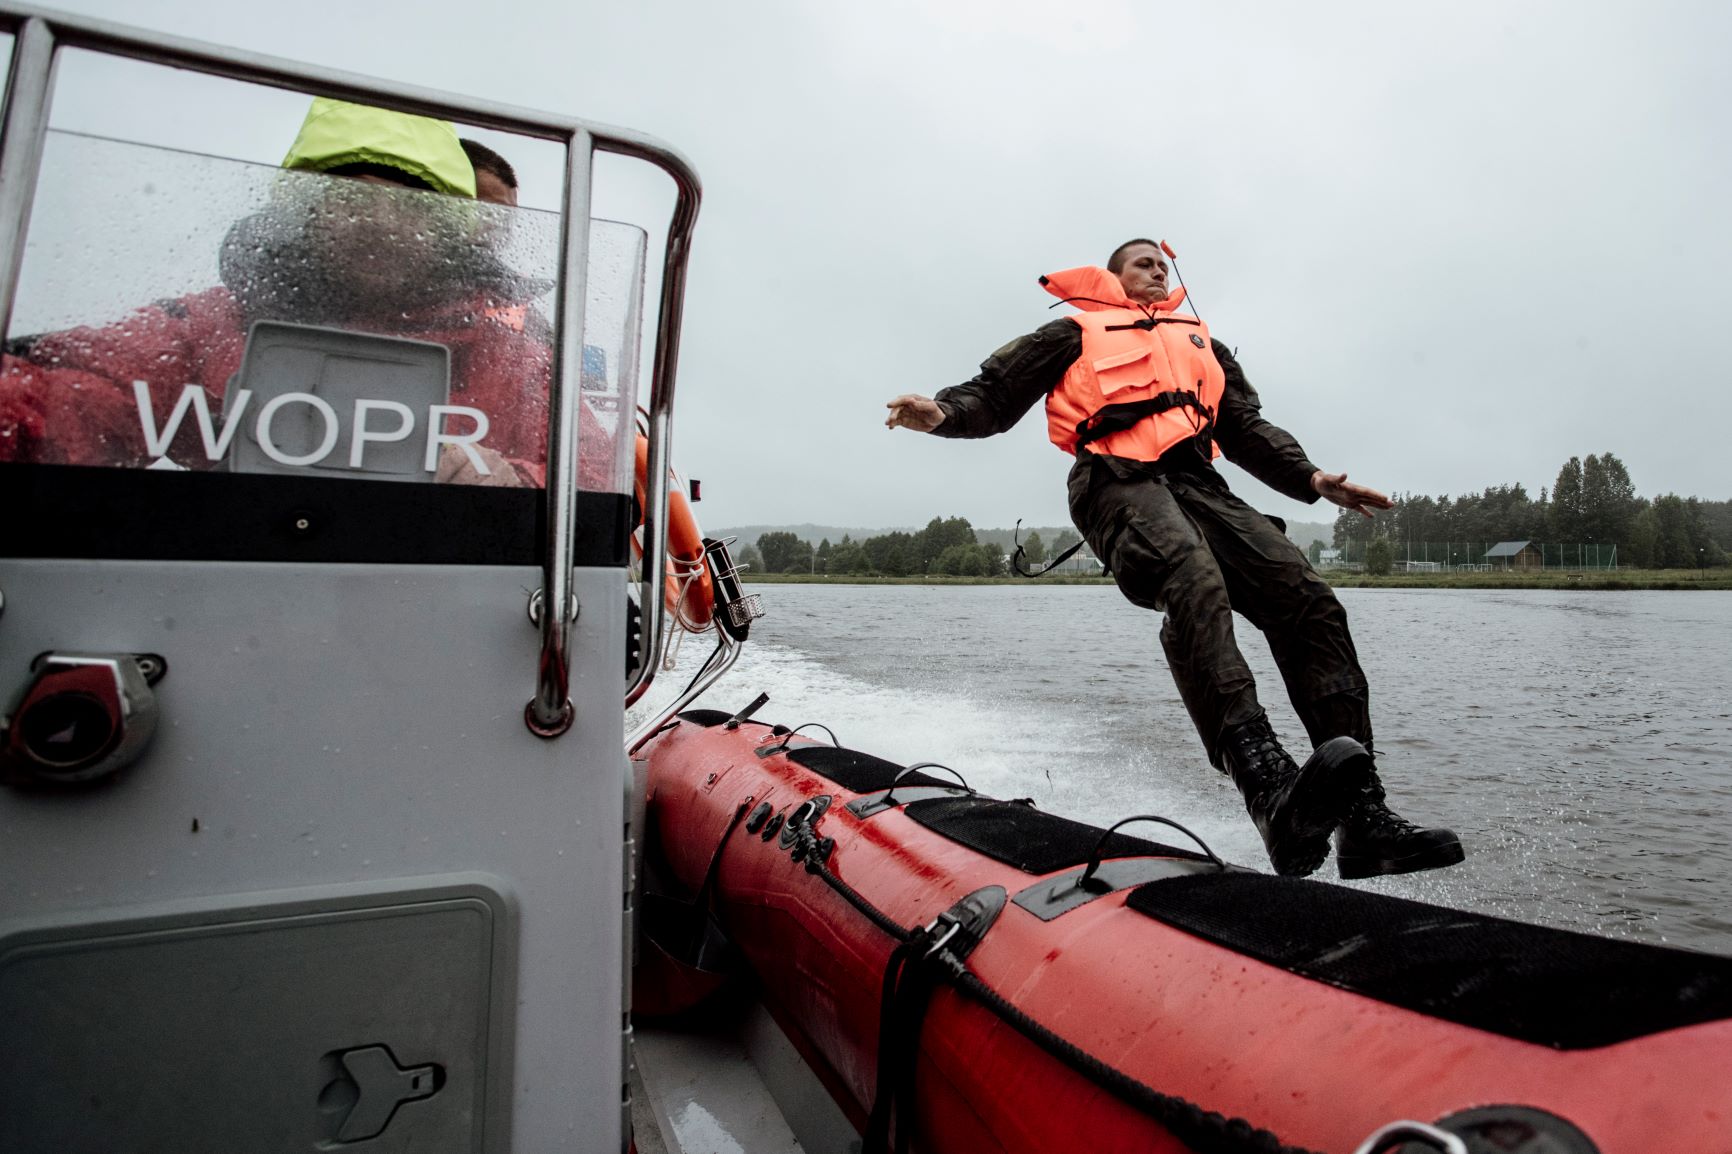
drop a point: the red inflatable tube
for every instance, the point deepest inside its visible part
(1210, 1027)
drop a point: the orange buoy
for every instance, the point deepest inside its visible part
(689, 594)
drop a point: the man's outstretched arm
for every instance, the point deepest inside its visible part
(913, 411)
(1009, 383)
(1349, 495)
(1271, 454)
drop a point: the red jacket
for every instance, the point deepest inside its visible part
(69, 398)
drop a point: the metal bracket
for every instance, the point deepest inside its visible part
(534, 607)
(555, 673)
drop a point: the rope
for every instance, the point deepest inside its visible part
(1205, 1131)
(854, 898)
(678, 625)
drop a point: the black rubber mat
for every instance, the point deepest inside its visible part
(856, 771)
(1020, 835)
(1557, 988)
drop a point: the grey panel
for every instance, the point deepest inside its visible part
(349, 726)
(352, 1019)
(340, 368)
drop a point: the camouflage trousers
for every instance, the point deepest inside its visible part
(1182, 544)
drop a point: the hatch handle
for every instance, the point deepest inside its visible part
(380, 1086)
(889, 799)
(782, 746)
(1085, 880)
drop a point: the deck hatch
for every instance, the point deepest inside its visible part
(235, 1025)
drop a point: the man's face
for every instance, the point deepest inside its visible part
(491, 190)
(382, 236)
(1144, 274)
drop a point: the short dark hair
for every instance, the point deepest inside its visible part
(484, 159)
(1116, 262)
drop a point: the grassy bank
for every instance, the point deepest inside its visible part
(1548, 579)
(1611, 579)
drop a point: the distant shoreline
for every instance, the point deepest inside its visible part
(1614, 580)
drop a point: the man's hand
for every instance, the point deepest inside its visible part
(922, 414)
(1336, 487)
(455, 468)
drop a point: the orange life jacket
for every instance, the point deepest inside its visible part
(1147, 378)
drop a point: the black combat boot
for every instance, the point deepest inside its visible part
(1374, 839)
(1295, 807)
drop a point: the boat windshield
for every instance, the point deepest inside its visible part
(182, 311)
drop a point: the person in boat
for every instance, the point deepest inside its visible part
(496, 184)
(1145, 399)
(495, 179)
(319, 256)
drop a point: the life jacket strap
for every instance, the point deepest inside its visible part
(1147, 324)
(1117, 418)
(1016, 557)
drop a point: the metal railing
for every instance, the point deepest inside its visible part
(40, 35)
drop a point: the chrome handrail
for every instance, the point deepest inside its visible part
(39, 36)
(551, 686)
(29, 88)
(550, 712)
(69, 31)
(664, 368)
(721, 659)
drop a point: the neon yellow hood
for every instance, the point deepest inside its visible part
(337, 133)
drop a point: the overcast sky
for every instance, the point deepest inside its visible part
(1453, 244)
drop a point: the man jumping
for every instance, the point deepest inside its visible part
(1144, 400)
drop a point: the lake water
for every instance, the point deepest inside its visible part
(1578, 742)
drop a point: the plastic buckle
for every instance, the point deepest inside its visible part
(944, 939)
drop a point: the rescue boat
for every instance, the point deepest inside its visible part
(967, 973)
(256, 927)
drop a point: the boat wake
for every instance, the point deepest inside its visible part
(1008, 747)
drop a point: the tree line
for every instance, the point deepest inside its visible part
(1592, 502)
(947, 546)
